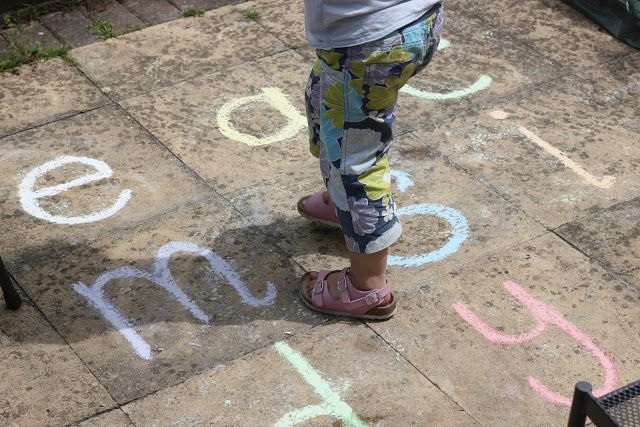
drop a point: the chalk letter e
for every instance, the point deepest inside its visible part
(29, 197)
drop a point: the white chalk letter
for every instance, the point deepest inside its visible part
(161, 276)
(29, 197)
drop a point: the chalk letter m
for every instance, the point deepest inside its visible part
(162, 276)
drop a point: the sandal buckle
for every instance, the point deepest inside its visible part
(342, 283)
(372, 298)
(318, 287)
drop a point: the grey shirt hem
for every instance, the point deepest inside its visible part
(329, 24)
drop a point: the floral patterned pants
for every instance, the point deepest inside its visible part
(351, 106)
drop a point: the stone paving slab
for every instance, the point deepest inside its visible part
(618, 83)
(204, 4)
(285, 20)
(354, 381)
(118, 16)
(70, 26)
(281, 18)
(473, 67)
(271, 206)
(168, 53)
(611, 236)
(558, 158)
(449, 217)
(234, 127)
(555, 30)
(485, 361)
(123, 185)
(467, 152)
(115, 418)
(48, 92)
(152, 13)
(231, 292)
(32, 34)
(43, 382)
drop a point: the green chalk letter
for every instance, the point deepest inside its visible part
(333, 405)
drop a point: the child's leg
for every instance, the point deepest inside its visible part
(368, 270)
(354, 163)
(357, 90)
(312, 104)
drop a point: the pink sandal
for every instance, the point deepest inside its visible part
(352, 302)
(315, 208)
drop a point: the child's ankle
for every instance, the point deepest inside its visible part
(366, 283)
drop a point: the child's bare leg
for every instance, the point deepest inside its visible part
(367, 273)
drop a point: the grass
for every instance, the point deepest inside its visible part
(252, 15)
(32, 13)
(103, 29)
(17, 55)
(192, 12)
(132, 29)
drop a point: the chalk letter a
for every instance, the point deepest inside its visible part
(273, 97)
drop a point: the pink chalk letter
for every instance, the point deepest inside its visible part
(544, 315)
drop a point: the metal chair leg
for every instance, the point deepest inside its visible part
(578, 413)
(11, 296)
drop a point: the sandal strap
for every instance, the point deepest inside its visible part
(351, 300)
(320, 287)
(356, 298)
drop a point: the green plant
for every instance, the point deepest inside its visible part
(18, 54)
(31, 13)
(132, 29)
(6, 19)
(192, 12)
(102, 29)
(252, 15)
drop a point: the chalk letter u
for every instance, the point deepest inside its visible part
(545, 315)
